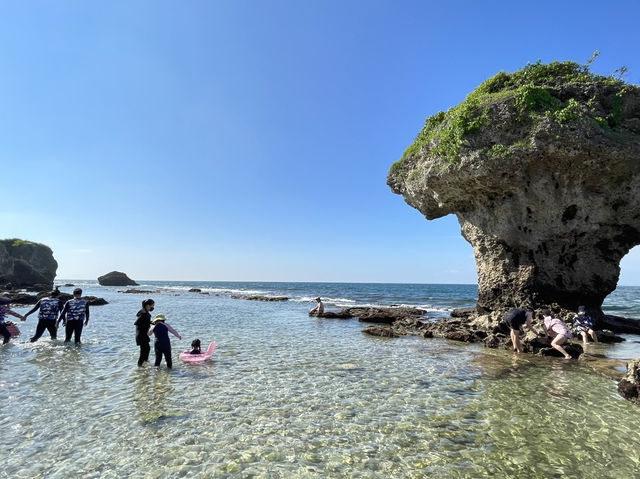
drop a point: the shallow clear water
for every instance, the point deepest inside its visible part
(291, 396)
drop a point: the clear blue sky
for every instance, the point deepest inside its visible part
(250, 140)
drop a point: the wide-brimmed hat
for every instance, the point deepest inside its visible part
(159, 317)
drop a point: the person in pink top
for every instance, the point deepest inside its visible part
(556, 329)
(4, 310)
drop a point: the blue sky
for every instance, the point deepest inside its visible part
(250, 140)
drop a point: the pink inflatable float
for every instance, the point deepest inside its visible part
(12, 328)
(187, 357)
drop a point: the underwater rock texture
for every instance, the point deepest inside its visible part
(629, 386)
(542, 169)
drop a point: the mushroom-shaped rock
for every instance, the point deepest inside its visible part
(116, 278)
(542, 169)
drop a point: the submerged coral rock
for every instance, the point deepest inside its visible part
(542, 169)
(26, 264)
(629, 386)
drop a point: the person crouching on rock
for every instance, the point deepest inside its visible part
(142, 324)
(49, 308)
(319, 309)
(516, 319)
(583, 325)
(4, 310)
(556, 329)
(162, 344)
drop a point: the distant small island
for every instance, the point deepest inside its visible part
(116, 278)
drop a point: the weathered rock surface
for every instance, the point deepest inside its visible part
(138, 291)
(25, 264)
(542, 169)
(260, 298)
(629, 386)
(374, 315)
(116, 278)
(380, 331)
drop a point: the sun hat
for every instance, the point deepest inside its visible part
(159, 317)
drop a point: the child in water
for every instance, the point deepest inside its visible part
(195, 347)
(162, 344)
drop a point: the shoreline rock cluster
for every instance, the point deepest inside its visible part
(24, 299)
(260, 298)
(468, 325)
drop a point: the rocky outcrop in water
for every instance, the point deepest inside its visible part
(261, 298)
(629, 386)
(116, 278)
(24, 264)
(374, 315)
(542, 169)
(24, 299)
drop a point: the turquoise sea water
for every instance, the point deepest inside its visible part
(291, 396)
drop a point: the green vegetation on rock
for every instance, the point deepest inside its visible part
(16, 242)
(533, 92)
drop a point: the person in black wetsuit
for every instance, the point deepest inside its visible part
(143, 323)
(74, 313)
(162, 345)
(516, 319)
(196, 347)
(49, 308)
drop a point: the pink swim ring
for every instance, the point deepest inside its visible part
(187, 357)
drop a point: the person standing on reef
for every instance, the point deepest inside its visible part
(4, 310)
(49, 308)
(319, 309)
(143, 323)
(556, 329)
(583, 325)
(516, 319)
(162, 345)
(74, 313)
